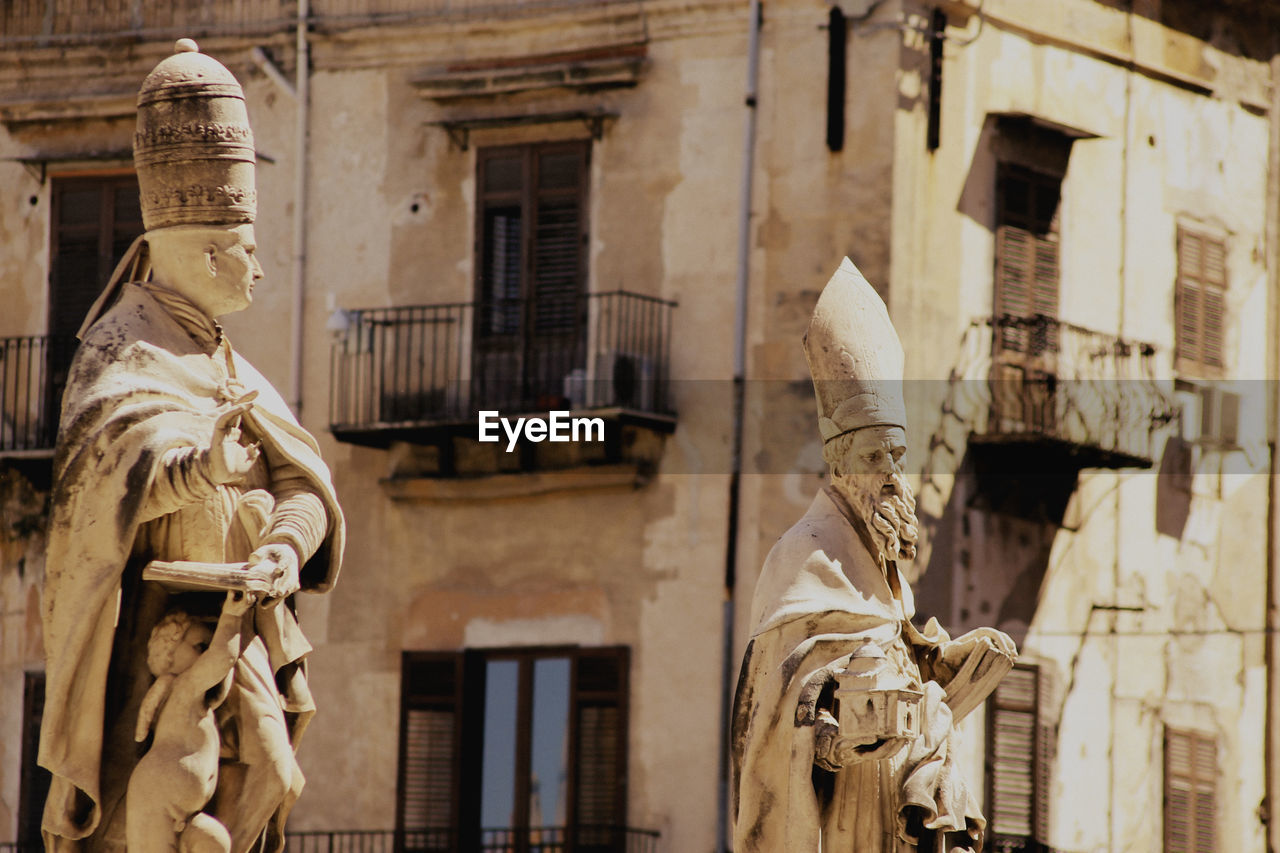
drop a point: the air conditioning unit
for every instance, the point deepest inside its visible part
(575, 388)
(625, 380)
(1210, 415)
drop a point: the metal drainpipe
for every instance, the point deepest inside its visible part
(302, 90)
(1271, 649)
(739, 407)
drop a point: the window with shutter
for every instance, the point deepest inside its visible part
(531, 272)
(1019, 755)
(1200, 303)
(1026, 276)
(1190, 792)
(514, 749)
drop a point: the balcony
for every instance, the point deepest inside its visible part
(423, 373)
(64, 22)
(32, 375)
(1061, 395)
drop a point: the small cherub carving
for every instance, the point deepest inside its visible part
(175, 780)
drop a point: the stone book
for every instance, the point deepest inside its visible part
(185, 575)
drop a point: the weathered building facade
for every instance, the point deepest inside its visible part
(525, 206)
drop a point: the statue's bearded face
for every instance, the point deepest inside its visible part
(867, 472)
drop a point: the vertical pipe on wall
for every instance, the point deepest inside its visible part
(302, 88)
(1271, 650)
(739, 408)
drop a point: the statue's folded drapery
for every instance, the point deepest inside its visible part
(140, 387)
(821, 594)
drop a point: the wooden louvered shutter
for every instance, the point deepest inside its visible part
(1200, 300)
(531, 241)
(1027, 260)
(1012, 755)
(1190, 782)
(558, 238)
(429, 751)
(1019, 756)
(1015, 252)
(94, 219)
(600, 765)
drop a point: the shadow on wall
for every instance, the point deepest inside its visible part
(993, 539)
(1173, 488)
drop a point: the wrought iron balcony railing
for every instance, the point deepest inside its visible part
(48, 22)
(539, 839)
(1040, 379)
(32, 375)
(434, 365)
(545, 839)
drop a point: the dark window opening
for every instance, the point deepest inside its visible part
(34, 783)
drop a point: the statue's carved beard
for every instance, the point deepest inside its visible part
(888, 506)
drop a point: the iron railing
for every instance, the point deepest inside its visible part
(49, 22)
(437, 364)
(544, 839)
(32, 375)
(1039, 377)
(547, 839)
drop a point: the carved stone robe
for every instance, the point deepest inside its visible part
(820, 594)
(144, 391)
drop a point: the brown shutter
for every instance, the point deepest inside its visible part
(600, 766)
(1015, 250)
(558, 239)
(1190, 808)
(1012, 753)
(426, 813)
(1215, 283)
(1044, 294)
(1200, 300)
(94, 221)
(1027, 260)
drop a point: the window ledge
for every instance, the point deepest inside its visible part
(609, 67)
(522, 485)
(28, 110)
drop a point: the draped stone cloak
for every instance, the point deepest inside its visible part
(139, 387)
(820, 595)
